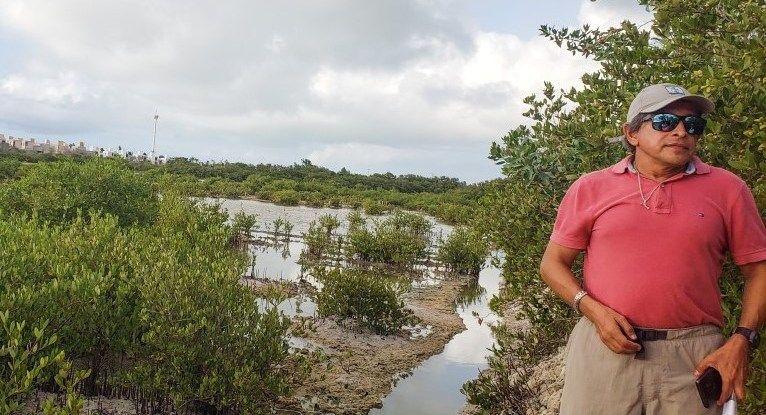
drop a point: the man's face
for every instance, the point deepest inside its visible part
(672, 149)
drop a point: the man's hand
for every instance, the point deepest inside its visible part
(614, 330)
(556, 270)
(731, 362)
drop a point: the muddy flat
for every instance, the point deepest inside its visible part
(361, 367)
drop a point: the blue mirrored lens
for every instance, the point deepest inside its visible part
(667, 122)
(694, 125)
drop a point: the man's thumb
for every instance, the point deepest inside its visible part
(701, 366)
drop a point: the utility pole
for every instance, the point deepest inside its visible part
(154, 138)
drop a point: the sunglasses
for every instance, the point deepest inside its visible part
(667, 122)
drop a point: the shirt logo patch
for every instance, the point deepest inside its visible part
(674, 90)
(700, 214)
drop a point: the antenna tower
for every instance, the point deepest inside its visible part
(154, 136)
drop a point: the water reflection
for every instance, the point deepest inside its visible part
(471, 294)
(434, 386)
(300, 217)
(300, 305)
(278, 262)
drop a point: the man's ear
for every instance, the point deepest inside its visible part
(631, 137)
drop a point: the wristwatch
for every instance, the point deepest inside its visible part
(751, 335)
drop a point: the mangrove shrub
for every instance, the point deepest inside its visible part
(463, 252)
(157, 308)
(401, 239)
(56, 191)
(372, 299)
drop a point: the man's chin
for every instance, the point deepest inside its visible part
(680, 158)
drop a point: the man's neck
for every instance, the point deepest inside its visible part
(657, 172)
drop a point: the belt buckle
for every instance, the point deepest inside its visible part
(645, 336)
(641, 354)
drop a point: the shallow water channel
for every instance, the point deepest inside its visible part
(434, 386)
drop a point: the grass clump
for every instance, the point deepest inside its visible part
(402, 239)
(372, 299)
(464, 251)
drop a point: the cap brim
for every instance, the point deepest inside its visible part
(703, 104)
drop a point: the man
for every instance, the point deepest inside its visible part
(655, 229)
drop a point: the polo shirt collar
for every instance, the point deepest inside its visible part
(695, 166)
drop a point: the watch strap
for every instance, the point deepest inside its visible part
(577, 298)
(750, 335)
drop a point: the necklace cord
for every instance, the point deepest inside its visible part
(645, 199)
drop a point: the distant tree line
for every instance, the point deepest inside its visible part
(306, 171)
(448, 199)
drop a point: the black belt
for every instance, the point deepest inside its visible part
(648, 335)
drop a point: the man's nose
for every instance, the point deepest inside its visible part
(680, 130)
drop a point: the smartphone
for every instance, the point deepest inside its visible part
(709, 386)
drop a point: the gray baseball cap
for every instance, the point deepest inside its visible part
(658, 96)
(655, 97)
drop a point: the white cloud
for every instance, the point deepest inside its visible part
(503, 58)
(329, 80)
(276, 44)
(353, 86)
(610, 13)
(61, 89)
(356, 154)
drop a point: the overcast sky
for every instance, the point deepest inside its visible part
(406, 86)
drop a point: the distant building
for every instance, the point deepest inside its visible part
(62, 147)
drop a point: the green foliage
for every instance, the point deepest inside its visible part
(504, 387)
(185, 185)
(317, 241)
(221, 187)
(286, 197)
(55, 192)
(205, 339)
(463, 252)
(355, 221)
(319, 238)
(712, 47)
(329, 223)
(308, 175)
(401, 239)
(242, 226)
(374, 207)
(158, 307)
(372, 299)
(446, 198)
(28, 359)
(8, 167)
(202, 326)
(34, 157)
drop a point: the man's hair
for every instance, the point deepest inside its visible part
(633, 126)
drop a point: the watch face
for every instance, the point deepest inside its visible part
(751, 335)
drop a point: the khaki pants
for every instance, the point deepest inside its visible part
(599, 381)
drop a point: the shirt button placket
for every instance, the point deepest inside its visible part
(663, 202)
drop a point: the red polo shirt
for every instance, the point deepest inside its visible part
(659, 267)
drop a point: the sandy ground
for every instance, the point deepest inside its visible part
(547, 377)
(361, 367)
(93, 405)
